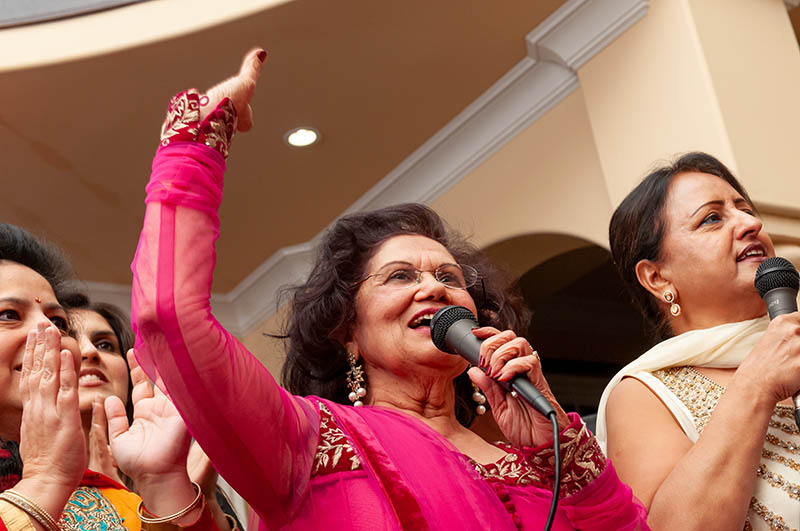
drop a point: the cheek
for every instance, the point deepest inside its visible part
(117, 372)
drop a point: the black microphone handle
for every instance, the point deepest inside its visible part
(780, 301)
(461, 339)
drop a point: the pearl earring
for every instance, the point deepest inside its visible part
(355, 381)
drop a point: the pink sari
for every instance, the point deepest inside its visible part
(263, 440)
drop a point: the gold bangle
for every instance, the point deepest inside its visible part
(165, 519)
(32, 508)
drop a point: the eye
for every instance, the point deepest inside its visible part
(60, 323)
(401, 276)
(712, 217)
(106, 346)
(9, 315)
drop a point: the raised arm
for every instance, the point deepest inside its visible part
(259, 437)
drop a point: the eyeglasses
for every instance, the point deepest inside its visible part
(404, 275)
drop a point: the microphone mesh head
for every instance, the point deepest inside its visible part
(774, 273)
(442, 321)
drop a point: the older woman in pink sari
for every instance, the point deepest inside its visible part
(359, 332)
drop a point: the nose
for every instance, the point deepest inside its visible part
(428, 288)
(88, 351)
(747, 225)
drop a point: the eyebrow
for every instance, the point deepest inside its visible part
(395, 262)
(22, 302)
(720, 202)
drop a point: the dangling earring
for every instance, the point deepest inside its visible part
(355, 381)
(674, 307)
(479, 399)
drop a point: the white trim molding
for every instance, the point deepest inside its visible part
(560, 45)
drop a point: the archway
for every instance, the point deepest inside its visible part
(583, 323)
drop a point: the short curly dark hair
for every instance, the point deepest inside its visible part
(323, 308)
(637, 228)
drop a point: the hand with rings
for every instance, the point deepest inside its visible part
(504, 355)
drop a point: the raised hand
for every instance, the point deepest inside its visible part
(240, 88)
(52, 444)
(153, 449)
(505, 355)
(157, 442)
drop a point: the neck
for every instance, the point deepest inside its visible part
(432, 400)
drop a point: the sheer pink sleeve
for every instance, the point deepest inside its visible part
(259, 437)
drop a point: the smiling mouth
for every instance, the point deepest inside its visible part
(421, 321)
(92, 377)
(752, 251)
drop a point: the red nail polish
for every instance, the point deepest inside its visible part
(262, 55)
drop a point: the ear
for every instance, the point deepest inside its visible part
(352, 346)
(652, 278)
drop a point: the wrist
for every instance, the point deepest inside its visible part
(49, 494)
(754, 391)
(168, 494)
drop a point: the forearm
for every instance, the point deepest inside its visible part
(723, 461)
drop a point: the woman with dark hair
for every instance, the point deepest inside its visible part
(700, 425)
(375, 443)
(44, 479)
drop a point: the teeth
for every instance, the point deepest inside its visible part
(753, 252)
(418, 321)
(90, 378)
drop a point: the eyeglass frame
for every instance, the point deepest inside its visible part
(433, 272)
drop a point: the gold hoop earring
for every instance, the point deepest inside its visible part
(355, 381)
(674, 307)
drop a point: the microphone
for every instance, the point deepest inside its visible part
(451, 332)
(777, 282)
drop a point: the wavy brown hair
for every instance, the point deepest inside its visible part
(323, 309)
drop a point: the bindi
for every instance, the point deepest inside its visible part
(38, 299)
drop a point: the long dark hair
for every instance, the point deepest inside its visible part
(637, 229)
(323, 308)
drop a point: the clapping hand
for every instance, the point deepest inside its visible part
(157, 442)
(100, 458)
(52, 444)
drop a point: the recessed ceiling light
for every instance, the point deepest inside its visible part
(302, 136)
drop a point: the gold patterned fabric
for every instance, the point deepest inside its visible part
(88, 510)
(776, 498)
(335, 453)
(183, 124)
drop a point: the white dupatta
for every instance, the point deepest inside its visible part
(723, 346)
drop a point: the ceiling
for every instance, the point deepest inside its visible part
(378, 79)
